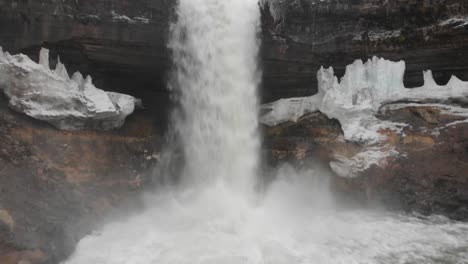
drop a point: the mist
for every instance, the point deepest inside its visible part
(219, 212)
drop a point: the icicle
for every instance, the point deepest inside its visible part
(88, 81)
(4, 54)
(44, 58)
(325, 78)
(78, 79)
(429, 79)
(61, 70)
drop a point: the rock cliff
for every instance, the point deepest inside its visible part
(299, 36)
(404, 148)
(56, 186)
(429, 178)
(119, 41)
(52, 192)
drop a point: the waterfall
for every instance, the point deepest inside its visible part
(208, 218)
(215, 45)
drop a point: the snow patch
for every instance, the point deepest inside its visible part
(356, 99)
(455, 22)
(52, 96)
(378, 35)
(451, 110)
(350, 167)
(125, 19)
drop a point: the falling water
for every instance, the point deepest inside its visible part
(215, 48)
(210, 218)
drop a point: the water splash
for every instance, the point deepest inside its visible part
(209, 220)
(295, 222)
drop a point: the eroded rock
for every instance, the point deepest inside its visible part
(395, 144)
(428, 175)
(359, 97)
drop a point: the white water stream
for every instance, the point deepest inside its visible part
(215, 216)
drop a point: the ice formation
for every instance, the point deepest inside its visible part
(378, 35)
(355, 100)
(125, 19)
(52, 96)
(455, 22)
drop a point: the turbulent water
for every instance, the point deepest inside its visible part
(214, 216)
(215, 50)
(295, 222)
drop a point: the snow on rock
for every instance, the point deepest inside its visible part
(52, 96)
(44, 58)
(356, 99)
(455, 22)
(61, 70)
(125, 19)
(350, 167)
(353, 101)
(378, 35)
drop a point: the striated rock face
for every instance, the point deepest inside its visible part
(301, 35)
(56, 186)
(118, 41)
(386, 143)
(122, 44)
(52, 96)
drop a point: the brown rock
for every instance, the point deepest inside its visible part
(429, 175)
(57, 186)
(6, 219)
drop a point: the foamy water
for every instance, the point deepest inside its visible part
(214, 216)
(296, 221)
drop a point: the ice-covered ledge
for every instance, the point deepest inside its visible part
(355, 101)
(52, 96)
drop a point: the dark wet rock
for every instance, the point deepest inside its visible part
(123, 43)
(95, 38)
(308, 34)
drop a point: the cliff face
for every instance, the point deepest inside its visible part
(428, 176)
(56, 186)
(301, 35)
(123, 43)
(53, 191)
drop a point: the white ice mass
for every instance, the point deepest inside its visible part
(356, 99)
(455, 22)
(52, 96)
